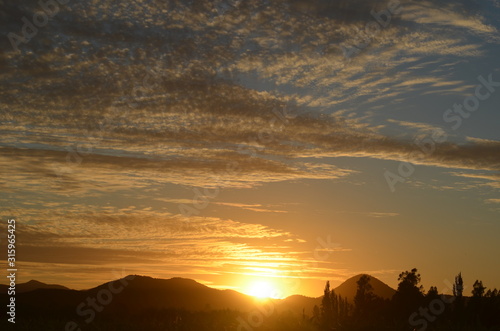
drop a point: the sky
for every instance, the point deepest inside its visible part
(232, 142)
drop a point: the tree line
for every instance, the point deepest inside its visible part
(411, 308)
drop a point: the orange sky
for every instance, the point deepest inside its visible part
(233, 142)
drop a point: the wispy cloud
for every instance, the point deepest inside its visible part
(252, 207)
(190, 114)
(96, 237)
(482, 179)
(373, 214)
(419, 127)
(492, 200)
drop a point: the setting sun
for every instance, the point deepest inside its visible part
(262, 290)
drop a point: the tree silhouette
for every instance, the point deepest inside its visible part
(316, 318)
(343, 309)
(336, 303)
(334, 309)
(476, 302)
(409, 294)
(432, 293)
(458, 304)
(458, 286)
(364, 296)
(327, 307)
(491, 310)
(478, 289)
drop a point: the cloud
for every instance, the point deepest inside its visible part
(237, 151)
(380, 215)
(481, 179)
(91, 236)
(492, 200)
(71, 243)
(252, 207)
(98, 174)
(373, 214)
(426, 13)
(420, 127)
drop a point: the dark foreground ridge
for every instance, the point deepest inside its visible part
(145, 303)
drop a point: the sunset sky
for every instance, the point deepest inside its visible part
(235, 142)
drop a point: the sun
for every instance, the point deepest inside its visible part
(262, 290)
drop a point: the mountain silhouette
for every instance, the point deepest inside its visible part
(146, 292)
(348, 288)
(132, 293)
(31, 286)
(142, 293)
(298, 303)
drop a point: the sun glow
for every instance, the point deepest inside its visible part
(262, 290)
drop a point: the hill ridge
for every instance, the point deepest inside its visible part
(348, 288)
